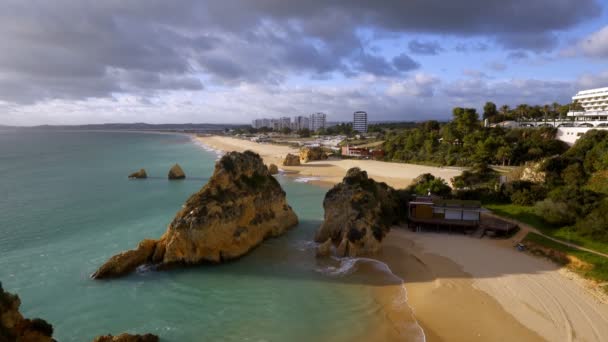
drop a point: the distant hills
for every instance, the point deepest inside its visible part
(138, 126)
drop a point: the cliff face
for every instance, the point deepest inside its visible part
(291, 160)
(14, 327)
(358, 213)
(240, 206)
(312, 153)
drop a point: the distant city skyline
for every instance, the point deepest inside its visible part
(73, 62)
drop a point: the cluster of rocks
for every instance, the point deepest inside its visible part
(176, 172)
(240, 206)
(358, 214)
(312, 153)
(127, 338)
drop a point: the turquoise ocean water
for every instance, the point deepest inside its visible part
(66, 205)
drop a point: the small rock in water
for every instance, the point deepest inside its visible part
(127, 338)
(176, 172)
(141, 174)
(273, 169)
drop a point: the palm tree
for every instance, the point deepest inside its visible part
(504, 109)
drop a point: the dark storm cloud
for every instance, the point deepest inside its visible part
(424, 48)
(79, 49)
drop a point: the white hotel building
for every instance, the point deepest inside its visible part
(595, 105)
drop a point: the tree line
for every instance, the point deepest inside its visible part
(464, 141)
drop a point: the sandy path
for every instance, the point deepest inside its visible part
(398, 175)
(531, 289)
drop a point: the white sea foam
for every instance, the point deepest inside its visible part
(218, 153)
(306, 179)
(349, 265)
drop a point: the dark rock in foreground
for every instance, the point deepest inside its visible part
(14, 327)
(358, 214)
(127, 338)
(176, 172)
(141, 174)
(240, 206)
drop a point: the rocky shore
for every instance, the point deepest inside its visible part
(15, 327)
(240, 206)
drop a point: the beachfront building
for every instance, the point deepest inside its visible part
(360, 122)
(361, 152)
(317, 121)
(434, 213)
(591, 112)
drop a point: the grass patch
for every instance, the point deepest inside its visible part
(527, 215)
(598, 270)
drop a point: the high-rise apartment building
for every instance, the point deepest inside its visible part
(360, 122)
(317, 121)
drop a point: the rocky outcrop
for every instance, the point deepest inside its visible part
(176, 172)
(533, 172)
(127, 338)
(240, 206)
(358, 213)
(14, 327)
(291, 160)
(312, 153)
(273, 169)
(141, 174)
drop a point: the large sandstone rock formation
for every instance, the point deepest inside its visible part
(240, 206)
(312, 153)
(141, 174)
(273, 169)
(291, 160)
(176, 172)
(127, 338)
(358, 213)
(14, 327)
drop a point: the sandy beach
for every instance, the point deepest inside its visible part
(329, 172)
(460, 288)
(464, 289)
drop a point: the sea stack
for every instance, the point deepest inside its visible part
(141, 174)
(14, 327)
(176, 172)
(240, 206)
(312, 153)
(273, 169)
(358, 213)
(291, 160)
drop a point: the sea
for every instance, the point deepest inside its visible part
(66, 206)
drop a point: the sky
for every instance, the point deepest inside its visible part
(232, 61)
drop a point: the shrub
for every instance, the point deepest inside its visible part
(557, 213)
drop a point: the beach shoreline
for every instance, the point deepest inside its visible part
(329, 172)
(454, 293)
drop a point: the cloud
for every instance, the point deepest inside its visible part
(95, 49)
(424, 48)
(404, 62)
(496, 66)
(594, 46)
